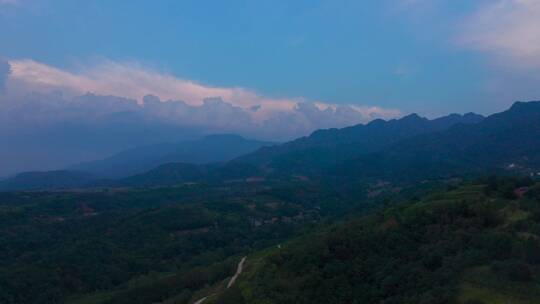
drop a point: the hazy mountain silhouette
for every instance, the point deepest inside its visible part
(408, 149)
(210, 149)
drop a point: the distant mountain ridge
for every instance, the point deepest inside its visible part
(210, 149)
(317, 154)
(326, 148)
(411, 149)
(507, 141)
(128, 168)
(47, 180)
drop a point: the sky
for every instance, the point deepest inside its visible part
(273, 70)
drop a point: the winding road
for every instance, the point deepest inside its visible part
(239, 270)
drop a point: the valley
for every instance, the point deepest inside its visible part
(404, 211)
(270, 152)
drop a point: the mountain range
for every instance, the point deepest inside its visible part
(117, 169)
(307, 156)
(503, 142)
(408, 149)
(327, 148)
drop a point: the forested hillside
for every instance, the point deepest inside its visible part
(478, 243)
(142, 245)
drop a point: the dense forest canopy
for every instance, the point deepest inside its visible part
(179, 243)
(477, 243)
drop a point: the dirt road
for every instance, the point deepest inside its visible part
(239, 270)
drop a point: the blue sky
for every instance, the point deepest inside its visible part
(123, 73)
(398, 54)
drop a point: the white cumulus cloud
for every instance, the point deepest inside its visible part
(134, 81)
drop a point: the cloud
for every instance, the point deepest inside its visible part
(134, 81)
(51, 118)
(186, 102)
(509, 30)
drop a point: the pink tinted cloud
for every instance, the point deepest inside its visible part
(171, 100)
(508, 30)
(135, 81)
(132, 80)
